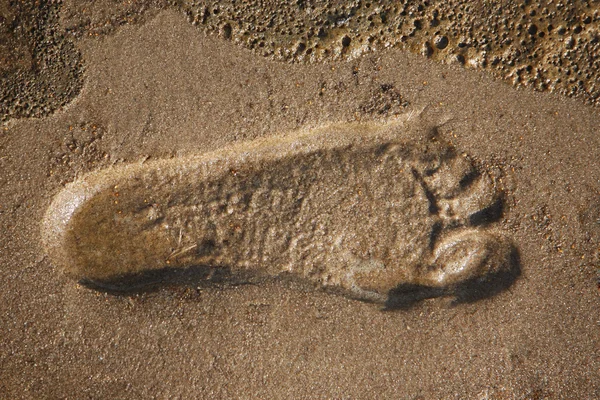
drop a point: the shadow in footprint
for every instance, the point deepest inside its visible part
(155, 280)
(403, 297)
(406, 296)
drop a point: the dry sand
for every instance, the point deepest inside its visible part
(164, 89)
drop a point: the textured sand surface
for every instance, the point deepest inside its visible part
(367, 208)
(163, 89)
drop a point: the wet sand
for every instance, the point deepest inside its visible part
(163, 89)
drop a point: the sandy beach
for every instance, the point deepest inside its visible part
(160, 88)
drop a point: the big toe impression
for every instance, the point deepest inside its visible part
(469, 255)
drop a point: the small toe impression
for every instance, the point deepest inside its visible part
(464, 196)
(481, 203)
(475, 202)
(451, 177)
(469, 256)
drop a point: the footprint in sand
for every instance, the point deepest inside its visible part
(374, 211)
